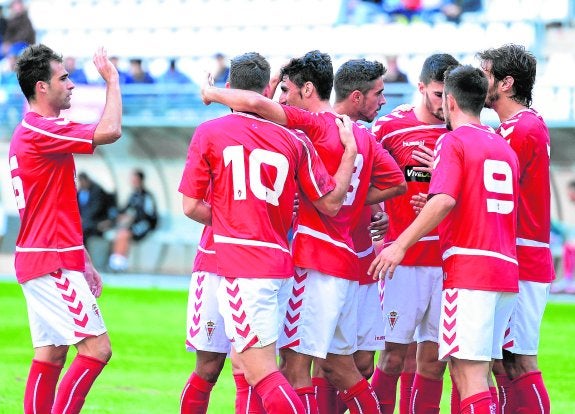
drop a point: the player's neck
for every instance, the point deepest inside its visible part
(507, 108)
(44, 110)
(343, 109)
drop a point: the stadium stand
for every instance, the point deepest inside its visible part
(159, 122)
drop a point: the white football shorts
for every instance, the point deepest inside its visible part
(252, 310)
(523, 331)
(412, 304)
(61, 309)
(473, 323)
(370, 330)
(321, 316)
(205, 324)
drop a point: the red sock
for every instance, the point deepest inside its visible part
(494, 397)
(326, 395)
(478, 404)
(278, 396)
(41, 387)
(76, 383)
(385, 387)
(340, 405)
(530, 394)
(247, 400)
(361, 398)
(455, 398)
(405, 388)
(505, 398)
(307, 398)
(426, 395)
(196, 395)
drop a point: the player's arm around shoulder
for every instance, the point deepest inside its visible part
(109, 128)
(331, 203)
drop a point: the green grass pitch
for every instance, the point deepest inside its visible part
(150, 366)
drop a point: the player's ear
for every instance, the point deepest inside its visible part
(308, 89)
(356, 96)
(507, 83)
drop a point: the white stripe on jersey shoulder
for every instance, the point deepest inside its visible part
(411, 129)
(322, 236)
(52, 135)
(245, 242)
(484, 128)
(476, 252)
(295, 136)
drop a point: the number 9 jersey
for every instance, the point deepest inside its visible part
(476, 167)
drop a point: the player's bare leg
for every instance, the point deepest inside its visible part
(247, 400)
(471, 379)
(196, 394)
(261, 372)
(428, 382)
(297, 369)
(389, 368)
(528, 389)
(355, 391)
(364, 361)
(93, 354)
(406, 378)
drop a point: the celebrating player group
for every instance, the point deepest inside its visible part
(425, 238)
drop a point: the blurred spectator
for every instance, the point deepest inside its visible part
(97, 207)
(222, 71)
(566, 284)
(403, 9)
(173, 75)
(454, 9)
(137, 73)
(77, 75)
(123, 75)
(134, 222)
(361, 12)
(3, 23)
(19, 29)
(394, 74)
(7, 73)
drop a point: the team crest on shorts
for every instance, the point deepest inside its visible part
(210, 328)
(392, 318)
(96, 310)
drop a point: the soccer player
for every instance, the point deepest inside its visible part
(331, 338)
(511, 72)
(250, 164)
(474, 185)
(55, 271)
(403, 132)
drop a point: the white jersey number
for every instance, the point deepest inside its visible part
(258, 157)
(17, 185)
(354, 184)
(498, 178)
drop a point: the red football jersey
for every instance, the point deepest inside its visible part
(528, 135)
(400, 132)
(476, 167)
(205, 260)
(43, 174)
(332, 236)
(364, 246)
(251, 166)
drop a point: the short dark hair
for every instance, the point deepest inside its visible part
(434, 67)
(515, 61)
(314, 67)
(140, 174)
(356, 75)
(33, 66)
(250, 71)
(468, 86)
